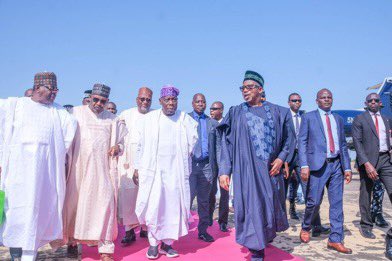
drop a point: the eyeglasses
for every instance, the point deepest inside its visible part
(215, 109)
(249, 87)
(167, 100)
(101, 101)
(296, 100)
(375, 100)
(144, 99)
(50, 88)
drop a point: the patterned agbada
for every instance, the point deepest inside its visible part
(252, 138)
(91, 198)
(34, 139)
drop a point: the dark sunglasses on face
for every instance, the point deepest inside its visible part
(249, 87)
(50, 88)
(96, 100)
(375, 100)
(294, 100)
(215, 109)
(144, 99)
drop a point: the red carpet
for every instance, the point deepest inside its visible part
(191, 248)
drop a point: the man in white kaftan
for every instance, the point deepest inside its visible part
(35, 136)
(127, 192)
(162, 172)
(90, 210)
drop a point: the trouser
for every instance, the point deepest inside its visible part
(200, 182)
(29, 255)
(223, 202)
(378, 197)
(294, 165)
(130, 227)
(154, 242)
(384, 170)
(15, 252)
(105, 246)
(331, 176)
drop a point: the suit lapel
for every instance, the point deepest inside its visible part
(320, 122)
(387, 130)
(337, 126)
(292, 127)
(371, 123)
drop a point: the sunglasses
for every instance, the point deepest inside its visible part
(249, 87)
(294, 100)
(96, 100)
(50, 88)
(375, 100)
(215, 109)
(144, 99)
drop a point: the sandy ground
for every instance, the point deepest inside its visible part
(363, 249)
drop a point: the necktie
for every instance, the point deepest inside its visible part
(296, 124)
(330, 137)
(376, 123)
(198, 149)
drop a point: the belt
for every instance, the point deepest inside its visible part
(383, 153)
(329, 160)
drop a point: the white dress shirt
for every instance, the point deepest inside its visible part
(382, 131)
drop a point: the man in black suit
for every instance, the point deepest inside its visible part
(371, 136)
(216, 112)
(204, 164)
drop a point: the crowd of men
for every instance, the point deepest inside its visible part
(71, 175)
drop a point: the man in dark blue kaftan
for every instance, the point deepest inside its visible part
(255, 144)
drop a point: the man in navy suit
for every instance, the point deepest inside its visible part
(324, 161)
(204, 164)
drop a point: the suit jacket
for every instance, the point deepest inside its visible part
(312, 142)
(293, 138)
(213, 143)
(366, 141)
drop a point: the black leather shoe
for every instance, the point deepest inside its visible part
(318, 230)
(388, 250)
(380, 221)
(128, 238)
(72, 251)
(223, 227)
(293, 212)
(143, 233)
(206, 237)
(367, 233)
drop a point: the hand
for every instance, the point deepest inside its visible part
(224, 182)
(114, 151)
(135, 177)
(276, 166)
(305, 172)
(371, 171)
(286, 170)
(348, 176)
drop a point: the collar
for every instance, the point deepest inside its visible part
(197, 116)
(293, 113)
(322, 112)
(374, 113)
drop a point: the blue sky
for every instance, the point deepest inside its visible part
(199, 46)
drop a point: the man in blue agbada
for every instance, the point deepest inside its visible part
(255, 143)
